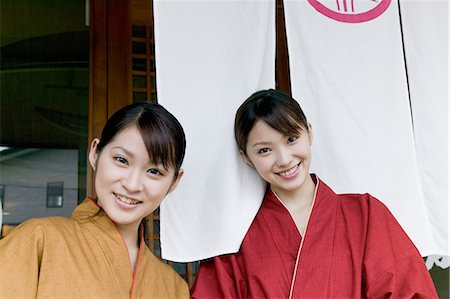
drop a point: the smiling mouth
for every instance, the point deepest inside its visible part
(127, 200)
(290, 171)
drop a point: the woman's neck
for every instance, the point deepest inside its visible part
(299, 202)
(302, 196)
(131, 237)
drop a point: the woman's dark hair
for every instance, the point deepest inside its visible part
(163, 135)
(274, 107)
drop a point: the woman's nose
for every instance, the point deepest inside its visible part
(284, 157)
(132, 181)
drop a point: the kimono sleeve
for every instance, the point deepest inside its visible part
(219, 277)
(20, 258)
(393, 267)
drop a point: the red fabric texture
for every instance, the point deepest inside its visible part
(353, 248)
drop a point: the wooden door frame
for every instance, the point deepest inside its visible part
(109, 65)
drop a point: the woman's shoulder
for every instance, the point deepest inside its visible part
(362, 205)
(347, 201)
(47, 225)
(52, 222)
(359, 199)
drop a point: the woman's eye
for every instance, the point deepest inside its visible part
(292, 139)
(263, 150)
(121, 160)
(154, 171)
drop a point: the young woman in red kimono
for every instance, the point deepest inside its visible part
(306, 241)
(99, 252)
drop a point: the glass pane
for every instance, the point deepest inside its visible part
(44, 81)
(55, 194)
(26, 174)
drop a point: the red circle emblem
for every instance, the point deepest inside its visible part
(351, 11)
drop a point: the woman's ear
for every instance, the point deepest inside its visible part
(93, 155)
(310, 133)
(246, 159)
(176, 181)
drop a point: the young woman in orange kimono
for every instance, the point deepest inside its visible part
(306, 241)
(99, 252)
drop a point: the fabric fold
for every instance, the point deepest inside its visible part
(348, 73)
(210, 56)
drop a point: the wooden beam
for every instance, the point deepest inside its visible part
(282, 72)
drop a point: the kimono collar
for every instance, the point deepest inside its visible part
(86, 209)
(89, 208)
(95, 220)
(321, 191)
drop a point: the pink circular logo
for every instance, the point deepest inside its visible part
(351, 11)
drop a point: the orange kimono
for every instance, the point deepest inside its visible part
(352, 248)
(80, 257)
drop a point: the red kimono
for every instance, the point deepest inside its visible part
(353, 248)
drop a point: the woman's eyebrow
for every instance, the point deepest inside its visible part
(260, 143)
(127, 152)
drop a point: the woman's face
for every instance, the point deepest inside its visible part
(128, 185)
(282, 161)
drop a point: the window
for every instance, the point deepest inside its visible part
(37, 181)
(44, 80)
(55, 196)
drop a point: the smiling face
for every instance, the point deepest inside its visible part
(282, 161)
(128, 184)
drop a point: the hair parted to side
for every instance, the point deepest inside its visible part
(161, 132)
(274, 107)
